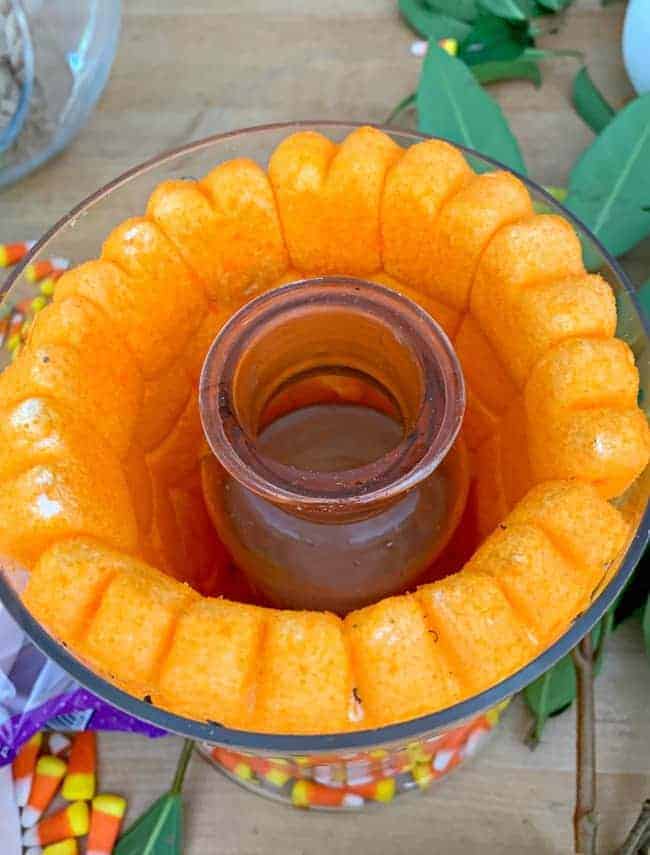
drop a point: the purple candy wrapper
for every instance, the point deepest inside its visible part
(35, 694)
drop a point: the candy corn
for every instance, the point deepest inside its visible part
(65, 847)
(449, 45)
(58, 744)
(13, 341)
(23, 768)
(306, 793)
(382, 790)
(422, 774)
(268, 770)
(38, 303)
(70, 821)
(52, 267)
(11, 253)
(49, 773)
(47, 286)
(233, 762)
(107, 814)
(79, 783)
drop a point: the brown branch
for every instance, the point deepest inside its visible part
(639, 836)
(585, 817)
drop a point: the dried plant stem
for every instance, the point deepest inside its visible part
(639, 836)
(585, 818)
(404, 104)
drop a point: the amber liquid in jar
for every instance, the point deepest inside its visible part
(338, 566)
(336, 529)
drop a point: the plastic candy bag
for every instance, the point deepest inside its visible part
(35, 694)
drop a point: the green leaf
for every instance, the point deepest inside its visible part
(514, 69)
(404, 104)
(589, 103)
(463, 10)
(538, 11)
(610, 183)
(645, 624)
(559, 193)
(555, 5)
(555, 690)
(451, 104)
(159, 831)
(512, 10)
(550, 694)
(431, 25)
(493, 40)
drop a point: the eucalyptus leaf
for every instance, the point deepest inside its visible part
(513, 69)
(432, 25)
(464, 10)
(159, 831)
(452, 104)
(493, 40)
(513, 10)
(589, 102)
(610, 183)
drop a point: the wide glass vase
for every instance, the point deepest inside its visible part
(333, 771)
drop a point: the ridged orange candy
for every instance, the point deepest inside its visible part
(100, 437)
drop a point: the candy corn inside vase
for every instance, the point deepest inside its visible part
(320, 443)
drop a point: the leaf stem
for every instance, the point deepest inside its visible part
(585, 817)
(181, 766)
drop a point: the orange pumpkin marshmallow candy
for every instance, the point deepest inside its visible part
(106, 512)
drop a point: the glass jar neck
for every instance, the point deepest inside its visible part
(331, 326)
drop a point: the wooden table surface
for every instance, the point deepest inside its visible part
(188, 69)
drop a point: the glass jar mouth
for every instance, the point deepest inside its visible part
(301, 328)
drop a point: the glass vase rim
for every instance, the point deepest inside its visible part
(299, 744)
(394, 473)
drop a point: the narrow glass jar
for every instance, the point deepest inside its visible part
(330, 406)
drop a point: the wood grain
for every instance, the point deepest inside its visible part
(185, 70)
